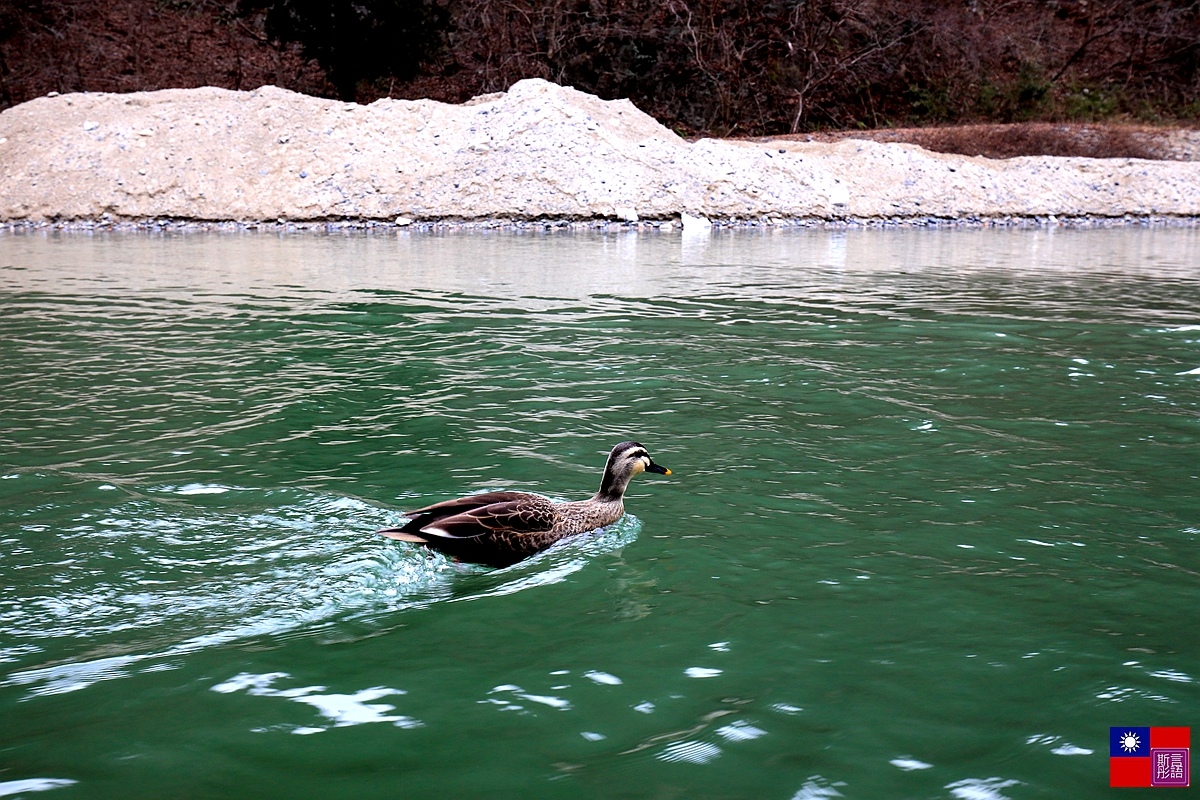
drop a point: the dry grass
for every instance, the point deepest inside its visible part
(1092, 140)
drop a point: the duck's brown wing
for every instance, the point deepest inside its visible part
(528, 514)
(449, 508)
(466, 517)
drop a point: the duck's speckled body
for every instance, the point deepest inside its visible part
(502, 528)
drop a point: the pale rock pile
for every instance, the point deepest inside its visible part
(538, 151)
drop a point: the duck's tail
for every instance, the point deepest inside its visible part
(402, 535)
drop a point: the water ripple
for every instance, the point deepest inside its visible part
(955, 467)
(146, 570)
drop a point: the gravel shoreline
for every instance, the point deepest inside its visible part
(537, 157)
(595, 225)
(182, 226)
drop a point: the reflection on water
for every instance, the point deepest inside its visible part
(931, 529)
(820, 265)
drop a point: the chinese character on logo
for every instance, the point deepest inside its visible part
(1170, 767)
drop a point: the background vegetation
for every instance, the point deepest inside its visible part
(702, 66)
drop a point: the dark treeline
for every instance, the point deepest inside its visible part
(701, 66)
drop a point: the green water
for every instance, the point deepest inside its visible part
(932, 526)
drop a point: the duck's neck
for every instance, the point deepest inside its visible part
(612, 488)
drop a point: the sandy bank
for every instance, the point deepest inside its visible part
(538, 151)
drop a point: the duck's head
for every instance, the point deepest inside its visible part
(626, 460)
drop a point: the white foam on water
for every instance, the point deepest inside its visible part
(1064, 749)
(816, 788)
(701, 672)
(980, 788)
(690, 752)
(33, 785)
(1117, 694)
(602, 677)
(1068, 749)
(201, 488)
(547, 700)
(739, 731)
(343, 710)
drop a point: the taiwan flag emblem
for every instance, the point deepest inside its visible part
(1140, 756)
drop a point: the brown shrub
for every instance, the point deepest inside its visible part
(741, 67)
(134, 45)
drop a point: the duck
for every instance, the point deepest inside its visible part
(499, 529)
